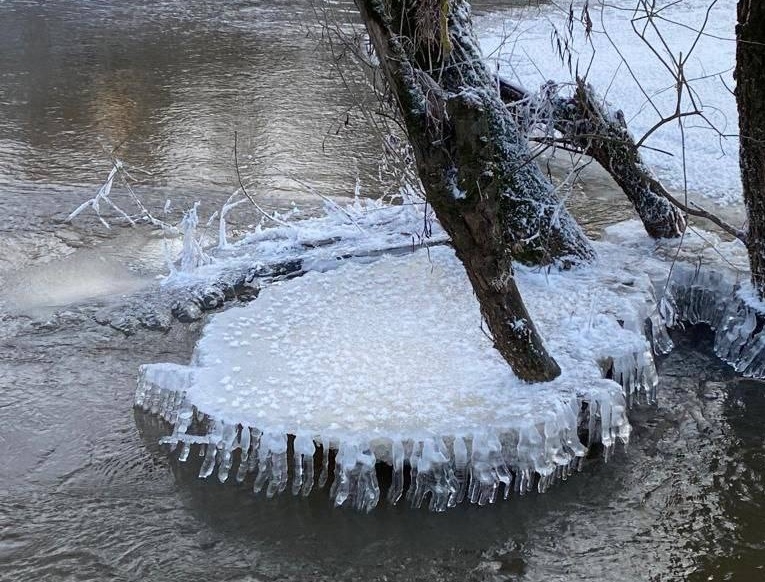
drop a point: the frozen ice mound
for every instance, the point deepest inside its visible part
(704, 280)
(388, 362)
(384, 359)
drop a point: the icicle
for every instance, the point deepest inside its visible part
(752, 362)
(279, 465)
(530, 451)
(397, 481)
(254, 456)
(593, 417)
(661, 342)
(435, 477)
(606, 436)
(244, 447)
(368, 490)
(461, 471)
(308, 473)
(556, 452)
(184, 454)
(487, 469)
(414, 459)
(302, 475)
(355, 478)
(272, 465)
(324, 475)
(208, 465)
(225, 451)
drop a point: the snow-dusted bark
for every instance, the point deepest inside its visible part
(750, 94)
(588, 124)
(475, 165)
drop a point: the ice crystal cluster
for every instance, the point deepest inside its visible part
(384, 360)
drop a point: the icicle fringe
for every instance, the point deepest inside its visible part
(479, 468)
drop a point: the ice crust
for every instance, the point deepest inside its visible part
(384, 359)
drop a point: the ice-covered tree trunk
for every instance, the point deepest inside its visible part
(750, 94)
(474, 165)
(586, 123)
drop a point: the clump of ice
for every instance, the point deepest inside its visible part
(388, 362)
(703, 279)
(384, 359)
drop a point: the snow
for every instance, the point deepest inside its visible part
(523, 50)
(368, 355)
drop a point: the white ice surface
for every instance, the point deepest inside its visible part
(523, 49)
(384, 358)
(390, 349)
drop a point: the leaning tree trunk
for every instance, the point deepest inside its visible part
(750, 94)
(585, 122)
(474, 165)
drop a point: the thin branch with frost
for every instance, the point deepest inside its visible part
(228, 205)
(371, 96)
(104, 197)
(257, 206)
(192, 253)
(101, 196)
(329, 201)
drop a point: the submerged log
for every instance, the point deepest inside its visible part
(588, 125)
(475, 166)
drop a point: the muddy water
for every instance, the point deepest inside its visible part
(85, 492)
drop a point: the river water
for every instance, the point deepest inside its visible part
(86, 493)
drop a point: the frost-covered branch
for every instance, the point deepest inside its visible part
(585, 123)
(104, 197)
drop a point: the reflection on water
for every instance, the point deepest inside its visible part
(170, 83)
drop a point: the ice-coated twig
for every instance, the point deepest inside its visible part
(192, 253)
(257, 206)
(103, 196)
(94, 203)
(228, 205)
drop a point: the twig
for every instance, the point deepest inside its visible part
(328, 200)
(701, 213)
(247, 194)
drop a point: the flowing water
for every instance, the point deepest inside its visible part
(85, 491)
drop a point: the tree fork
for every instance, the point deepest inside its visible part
(474, 165)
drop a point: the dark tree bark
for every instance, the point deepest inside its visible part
(750, 95)
(474, 165)
(586, 124)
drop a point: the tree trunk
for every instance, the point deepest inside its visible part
(750, 95)
(474, 165)
(587, 124)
